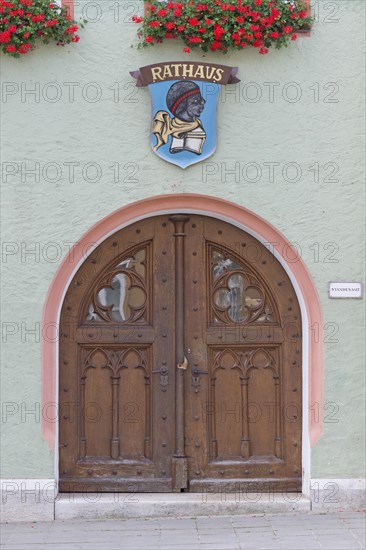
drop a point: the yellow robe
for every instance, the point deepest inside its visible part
(163, 126)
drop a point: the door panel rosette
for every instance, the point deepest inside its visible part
(121, 295)
(237, 298)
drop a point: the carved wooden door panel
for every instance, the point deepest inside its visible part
(117, 376)
(180, 363)
(243, 344)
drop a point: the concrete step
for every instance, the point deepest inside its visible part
(179, 505)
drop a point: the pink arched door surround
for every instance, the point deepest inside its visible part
(200, 204)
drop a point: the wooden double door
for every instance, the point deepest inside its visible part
(180, 363)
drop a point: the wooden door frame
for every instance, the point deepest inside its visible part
(282, 249)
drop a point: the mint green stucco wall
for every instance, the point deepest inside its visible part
(322, 129)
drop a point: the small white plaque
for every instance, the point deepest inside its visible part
(345, 290)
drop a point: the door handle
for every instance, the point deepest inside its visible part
(197, 372)
(164, 377)
(183, 365)
(196, 378)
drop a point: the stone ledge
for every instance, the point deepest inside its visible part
(37, 500)
(182, 505)
(27, 500)
(338, 495)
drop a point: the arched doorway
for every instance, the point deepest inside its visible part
(180, 363)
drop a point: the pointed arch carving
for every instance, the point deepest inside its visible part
(269, 364)
(120, 293)
(235, 291)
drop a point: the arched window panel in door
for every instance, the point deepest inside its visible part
(121, 294)
(237, 294)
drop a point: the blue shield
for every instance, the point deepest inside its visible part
(184, 120)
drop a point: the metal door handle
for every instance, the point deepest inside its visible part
(183, 365)
(197, 372)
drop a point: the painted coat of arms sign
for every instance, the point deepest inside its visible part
(184, 105)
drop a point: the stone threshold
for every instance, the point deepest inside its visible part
(76, 506)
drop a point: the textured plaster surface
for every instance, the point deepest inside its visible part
(322, 211)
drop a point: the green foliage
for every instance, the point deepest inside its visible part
(23, 22)
(222, 26)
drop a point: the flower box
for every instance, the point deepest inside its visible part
(222, 26)
(24, 22)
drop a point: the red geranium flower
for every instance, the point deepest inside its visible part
(5, 37)
(218, 32)
(37, 18)
(72, 29)
(215, 46)
(24, 48)
(225, 24)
